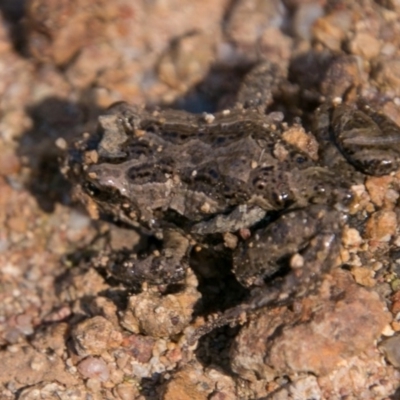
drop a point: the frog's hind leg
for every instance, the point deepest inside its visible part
(307, 240)
(300, 243)
(307, 269)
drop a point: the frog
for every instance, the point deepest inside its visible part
(241, 181)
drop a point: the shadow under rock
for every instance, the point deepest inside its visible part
(53, 118)
(13, 12)
(395, 395)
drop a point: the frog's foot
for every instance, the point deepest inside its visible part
(160, 267)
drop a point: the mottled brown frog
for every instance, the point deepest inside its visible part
(196, 180)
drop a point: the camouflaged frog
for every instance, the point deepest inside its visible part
(240, 181)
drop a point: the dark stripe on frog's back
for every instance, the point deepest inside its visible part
(220, 132)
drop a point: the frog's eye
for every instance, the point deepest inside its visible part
(280, 199)
(300, 159)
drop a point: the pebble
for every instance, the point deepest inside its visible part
(391, 348)
(381, 226)
(94, 336)
(94, 367)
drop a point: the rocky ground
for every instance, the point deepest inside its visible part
(69, 332)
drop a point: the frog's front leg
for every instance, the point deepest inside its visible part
(289, 256)
(159, 267)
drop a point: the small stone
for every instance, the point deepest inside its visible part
(188, 384)
(139, 347)
(297, 261)
(209, 118)
(351, 237)
(395, 307)
(152, 314)
(9, 162)
(381, 226)
(52, 337)
(395, 325)
(297, 136)
(365, 45)
(61, 143)
(91, 157)
(388, 331)
(95, 336)
(95, 368)
(361, 200)
(380, 192)
(391, 348)
(205, 208)
(248, 19)
(280, 152)
(127, 391)
(363, 276)
(230, 240)
(331, 29)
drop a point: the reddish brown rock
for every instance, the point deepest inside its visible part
(338, 328)
(395, 307)
(381, 226)
(192, 382)
(364, 44)
(363, 276)
(185, 388)
(9, 162)
(331, 29)
(381, 190)
(139, 347)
